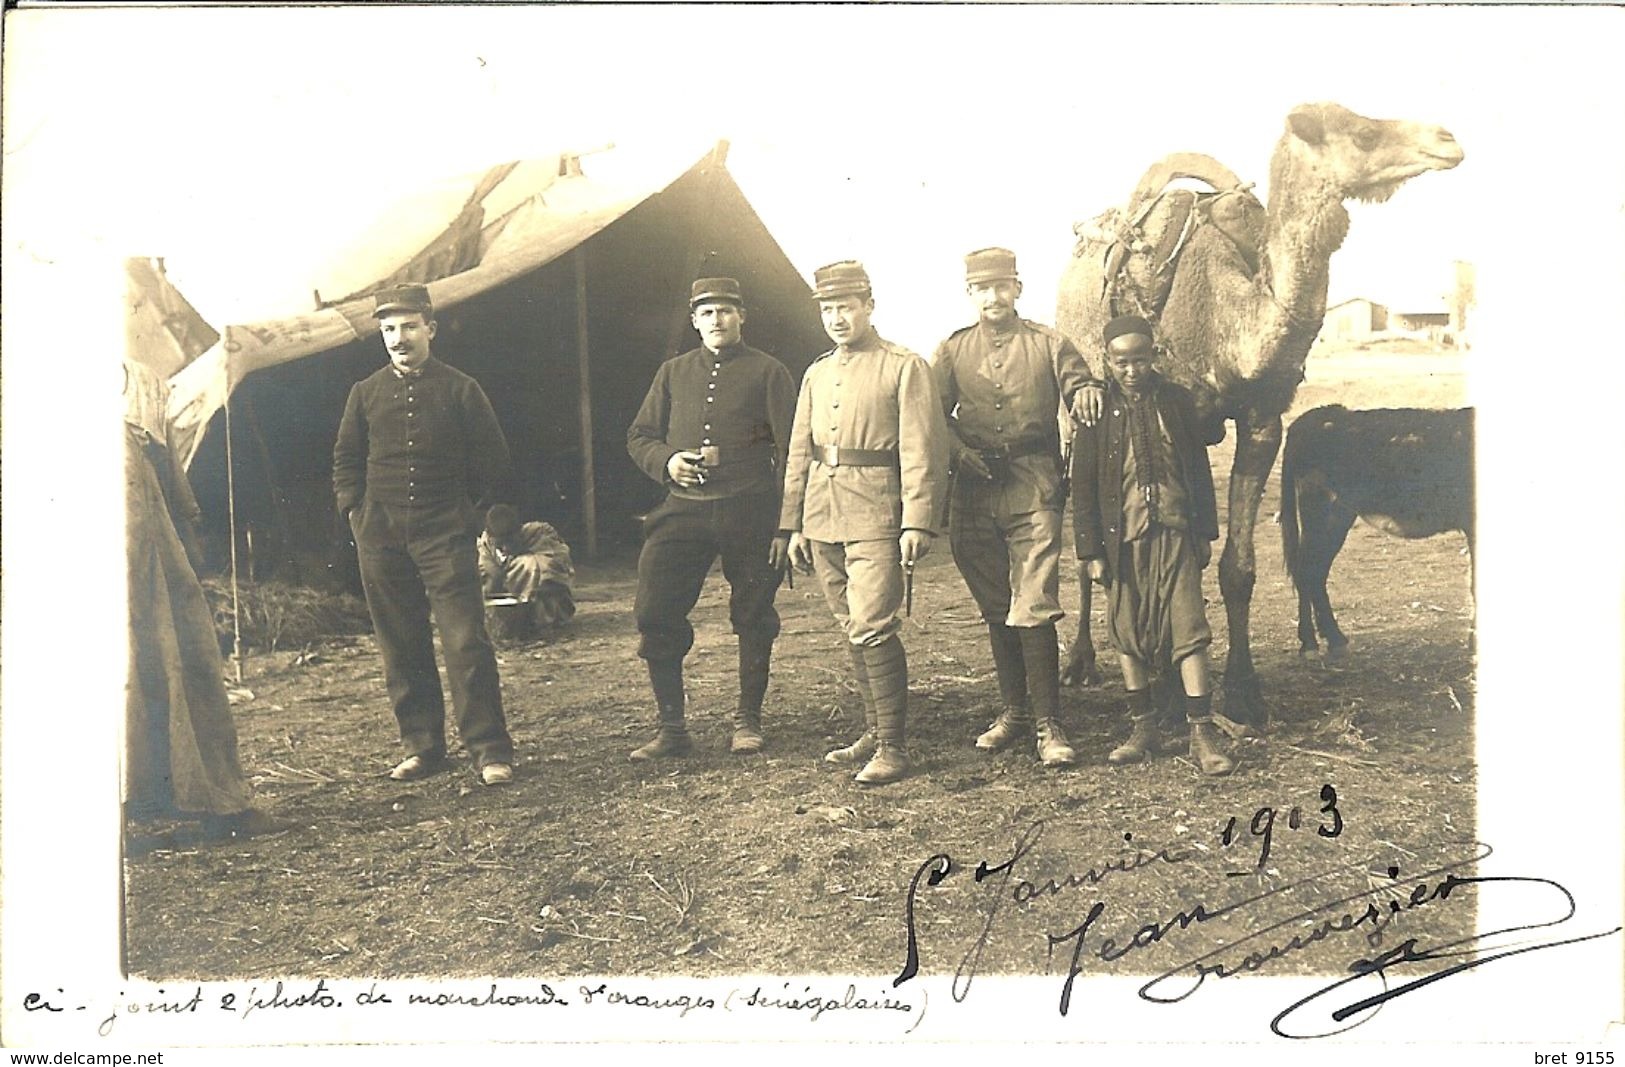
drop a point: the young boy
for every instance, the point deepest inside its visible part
(1145, 519)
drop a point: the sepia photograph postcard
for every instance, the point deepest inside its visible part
(723, 530)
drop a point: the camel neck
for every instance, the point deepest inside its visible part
(1306, 224)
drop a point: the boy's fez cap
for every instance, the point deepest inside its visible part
(1127, 324)
(846, 278)
(715, 291)
(398, 298)
(990, 265)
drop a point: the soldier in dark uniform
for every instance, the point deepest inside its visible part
(713, 430)
(418, 459)
(864, 489)
(1003, 382)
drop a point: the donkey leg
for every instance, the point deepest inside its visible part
(1339, 520)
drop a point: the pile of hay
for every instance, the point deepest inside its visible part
(280, 615)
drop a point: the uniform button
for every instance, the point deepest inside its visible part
(997, 406)
(998, 429)
(710, 400)
(835, 404)
(997, 364)
(708, 426)
(706, 441)
(1115, 413)
(713, 385)
(409, 444)
(998, 385)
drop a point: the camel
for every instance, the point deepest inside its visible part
(1241, 301)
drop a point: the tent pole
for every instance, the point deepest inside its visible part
(589, 489)
(231, 524)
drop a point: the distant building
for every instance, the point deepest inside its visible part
(1463, 299)
(1438, 316)
(1354, 320)
(1432, 323)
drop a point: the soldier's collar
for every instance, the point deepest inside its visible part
(868, 342)
(1017, 325)
(726, 353)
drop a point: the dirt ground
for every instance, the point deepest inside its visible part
(717, 864)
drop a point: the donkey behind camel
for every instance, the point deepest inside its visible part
(1238, 322)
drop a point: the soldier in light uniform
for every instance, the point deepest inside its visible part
(864, 489)
(712, 430)
(1002, 383)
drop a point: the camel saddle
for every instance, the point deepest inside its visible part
(1138, 245)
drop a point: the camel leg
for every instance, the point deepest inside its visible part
(1258, 440)
(1080, 664)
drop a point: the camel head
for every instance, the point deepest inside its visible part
(1361, 158)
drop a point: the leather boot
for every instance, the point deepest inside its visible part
(1204, 750)
(888, 686)
(671, 737)
(1016, 720)
(1054, 750)
(754, 658)
(860, 750)
(1143, 740)
(1042, 654)
(1204, 737)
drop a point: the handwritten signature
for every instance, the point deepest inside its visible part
(1366, 911)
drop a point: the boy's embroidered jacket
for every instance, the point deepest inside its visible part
(1097, 472)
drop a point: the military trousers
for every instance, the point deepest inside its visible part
(681, 541)
(1011, 563)
(418, 562)
(863, 585)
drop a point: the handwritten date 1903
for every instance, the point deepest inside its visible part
(1262, 825)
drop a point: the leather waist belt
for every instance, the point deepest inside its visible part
(831, 456)
(725, 455)
(1040, 446)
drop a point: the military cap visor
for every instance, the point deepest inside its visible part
(715, 291)
(990, 265)
(846, 278)
(402, 299)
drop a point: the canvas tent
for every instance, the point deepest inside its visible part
(558, 290)
(162, 329)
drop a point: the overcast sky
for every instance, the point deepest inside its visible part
(251, 147)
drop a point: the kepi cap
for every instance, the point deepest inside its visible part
(990, 265)
(1127, 324)
(398, 298)
(846, 278)
(715, 291)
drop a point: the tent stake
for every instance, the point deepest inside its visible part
(589, 489)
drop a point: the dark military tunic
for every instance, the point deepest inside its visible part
(736, 406)
(417, 458)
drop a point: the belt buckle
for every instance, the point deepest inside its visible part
(710, 455)
(997, 461)
(831, 456)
